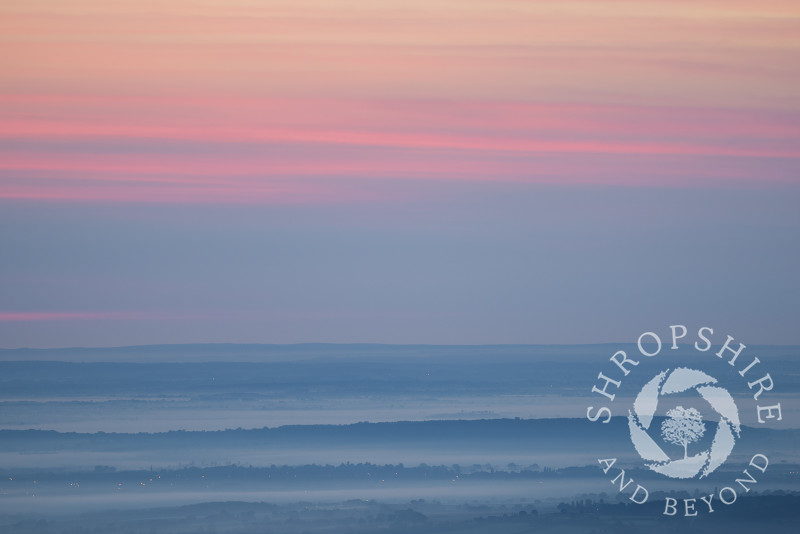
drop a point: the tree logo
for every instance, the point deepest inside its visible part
(683, 426)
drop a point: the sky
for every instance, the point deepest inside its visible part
(447, 172)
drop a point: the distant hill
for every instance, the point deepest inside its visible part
(314, 369)
(229, 352)
(547, 435)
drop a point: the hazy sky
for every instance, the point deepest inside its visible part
(471, 171)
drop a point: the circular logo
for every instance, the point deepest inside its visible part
(683, 426)
(681, 422)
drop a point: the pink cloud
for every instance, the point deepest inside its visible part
(63, 316)
(288, 150)
(311, 146)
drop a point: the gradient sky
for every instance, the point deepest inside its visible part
(471, 171)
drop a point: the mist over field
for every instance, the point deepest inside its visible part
(434, 437)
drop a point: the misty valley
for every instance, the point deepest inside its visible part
(352, 438)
